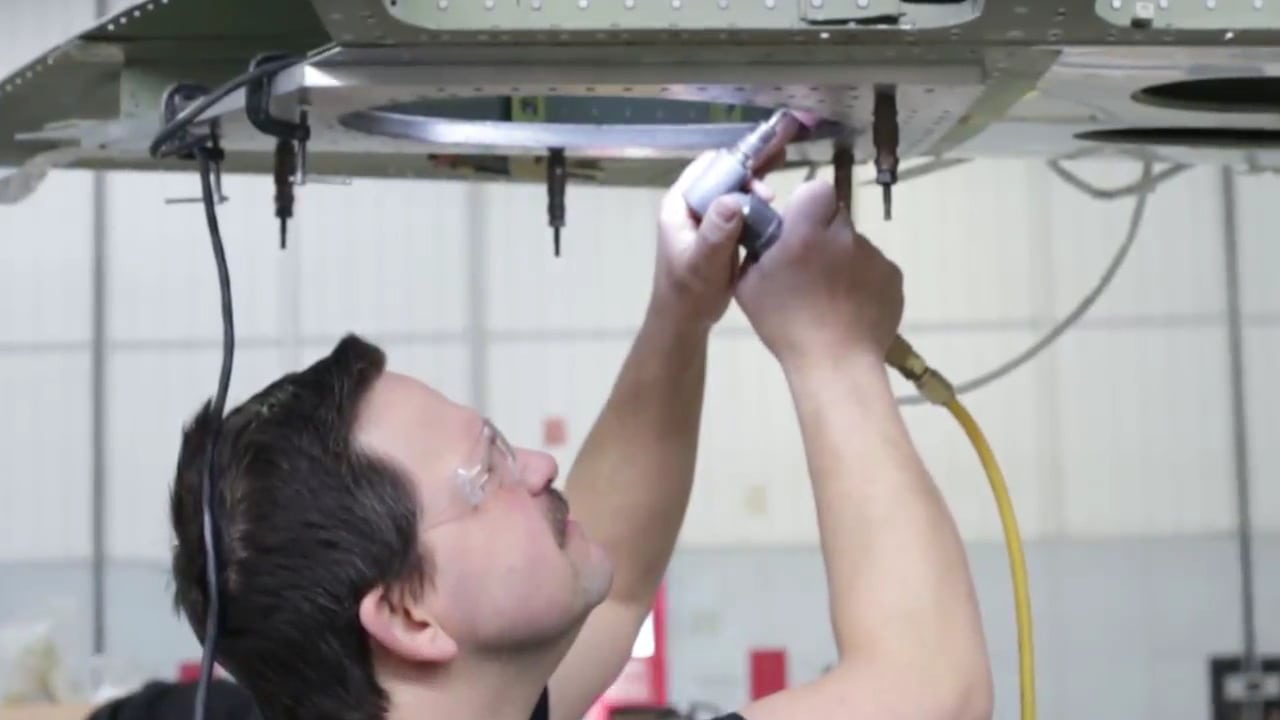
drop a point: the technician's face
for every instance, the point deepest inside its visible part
(510, 566)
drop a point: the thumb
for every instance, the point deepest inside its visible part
(720, 228)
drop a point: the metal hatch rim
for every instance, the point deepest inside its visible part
(659, 137)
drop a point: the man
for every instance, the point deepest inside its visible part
(387, 554)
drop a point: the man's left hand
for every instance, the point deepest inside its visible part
(698, 262)
(631, 482)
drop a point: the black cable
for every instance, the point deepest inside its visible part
(188, 116)
(206, 150)
(207, 158)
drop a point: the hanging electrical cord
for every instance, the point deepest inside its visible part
(175, 140)
(208, 157)
(1142, 186)
(1143, 189)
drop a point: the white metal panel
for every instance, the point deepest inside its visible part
(960, 219)
(45, 455)
(603, 277)
(751, 487)
(1145, 432)
(745, 461)
(162, 285)
(965, 239)
(44, 301)
(29, 28)
(118, 5)
(445, 366)
(46, 264)
(533, 380)
(1175, 266)
(1261, 348)
(1260, 301)
(1022, 414)
(1257, 197)
(152, 394)
(381, 256)
(1016, 413)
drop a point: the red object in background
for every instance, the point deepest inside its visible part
(643, 682)
(554, 432)
(768, 672)
(189, 672)
(658, 663)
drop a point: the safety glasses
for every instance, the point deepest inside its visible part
(489, 465)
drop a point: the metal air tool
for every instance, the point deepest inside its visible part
(290, 161)
(557, 178)
(730, 173)
(884, 135)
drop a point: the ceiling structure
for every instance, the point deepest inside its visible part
(629, 89)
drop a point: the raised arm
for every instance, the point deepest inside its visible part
(908, 633)
(630, 485)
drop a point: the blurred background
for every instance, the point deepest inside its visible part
(1121, 442)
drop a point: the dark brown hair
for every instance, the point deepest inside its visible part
(308, 524)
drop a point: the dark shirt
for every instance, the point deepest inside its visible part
(542, 711)
(160, 700)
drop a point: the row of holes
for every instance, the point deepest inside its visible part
(117, 21)
(626, 89)
(369, 17)
(123, 18)
(908, 38)
(955, 34)
(700, 89)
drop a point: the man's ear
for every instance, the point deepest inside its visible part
(404, 629)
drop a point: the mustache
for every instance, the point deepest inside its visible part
(558, 515)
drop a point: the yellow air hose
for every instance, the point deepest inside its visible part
(937, 390)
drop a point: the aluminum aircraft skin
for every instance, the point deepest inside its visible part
(626, 90)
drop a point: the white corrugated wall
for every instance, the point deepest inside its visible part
(1121, 428)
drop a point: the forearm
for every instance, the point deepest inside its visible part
(902, 600)
(631, 481)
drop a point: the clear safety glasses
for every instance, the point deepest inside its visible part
(489, 465)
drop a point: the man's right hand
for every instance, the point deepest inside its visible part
(822, 290)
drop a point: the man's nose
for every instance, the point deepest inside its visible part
(540, 469)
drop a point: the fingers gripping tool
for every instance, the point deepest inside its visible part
(730, 172)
